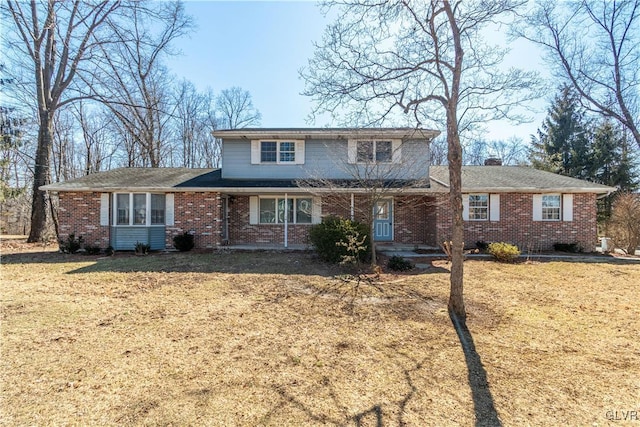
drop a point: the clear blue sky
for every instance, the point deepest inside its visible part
(261, 45)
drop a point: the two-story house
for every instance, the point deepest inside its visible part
(275, 183)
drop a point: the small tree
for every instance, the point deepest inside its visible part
(624, 225)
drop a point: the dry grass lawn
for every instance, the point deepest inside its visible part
(242, 339)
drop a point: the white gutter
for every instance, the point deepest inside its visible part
(329, 133)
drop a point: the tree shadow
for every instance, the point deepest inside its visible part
(484, 408)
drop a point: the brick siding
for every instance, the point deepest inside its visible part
(516, 224)
(79, 214)
(417, 220)
(199, 213)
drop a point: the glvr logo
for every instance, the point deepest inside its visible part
(622, 416)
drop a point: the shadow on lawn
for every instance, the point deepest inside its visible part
(486, 414)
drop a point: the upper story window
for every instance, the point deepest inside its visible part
(139, 209)
(277, 152)
(374, 151)
(478, 207)
(551, 207)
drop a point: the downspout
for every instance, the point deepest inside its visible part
(352, 207)
(286, 221)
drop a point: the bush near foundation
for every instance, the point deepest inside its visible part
(331, 239)
(184, 242)
(504, 252)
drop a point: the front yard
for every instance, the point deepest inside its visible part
(277, 339)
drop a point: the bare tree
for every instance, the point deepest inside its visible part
(57, 38)
(512, 151)
(134, 84)
(422, 58)
(236, 109)
(594, 45)
(194, 121)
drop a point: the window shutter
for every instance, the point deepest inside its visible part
(255, 152)
(494, 207)
(537, 207)
(567, 207)
(352, 151)
(316, 211)
(169, 215)
(396, 147)
(300, 152)
(465, 207)
(104, 209)
(253, 210)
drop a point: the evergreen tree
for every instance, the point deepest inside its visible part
(611, 163)
(562, 144)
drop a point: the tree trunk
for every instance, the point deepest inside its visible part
(456, 299)
(41, 176)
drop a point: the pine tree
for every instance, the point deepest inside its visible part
(562, 144)
(611, 163)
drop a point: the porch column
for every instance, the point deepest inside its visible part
(286, 220)
(352, 207)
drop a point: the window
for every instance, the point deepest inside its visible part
(140, 209)
(268, 151)
(122, 201)
(157, 208)
(367, 151)
(551, 207)
(374, 151)
(277, 152)
(296, 210)
(478, 207)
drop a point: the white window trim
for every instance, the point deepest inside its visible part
(493, 207)
(167, 220)
(254, 209)
(566, 207)
(256, 152)
(352, 151)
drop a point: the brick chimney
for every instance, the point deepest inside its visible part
(493, 161)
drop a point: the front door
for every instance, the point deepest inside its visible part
(383, 221)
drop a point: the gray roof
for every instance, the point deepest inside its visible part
(497, 179)
(521, 179)
(128, 178)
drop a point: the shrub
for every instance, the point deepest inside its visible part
(504, 252)
(482, 245)
(142, 248)
(109, 250)
(92, 250)
(624, 225)
(333, 237)
(567, 247)
(183, 242)
(397, 263)
(71, 245)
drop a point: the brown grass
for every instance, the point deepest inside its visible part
(277, 339)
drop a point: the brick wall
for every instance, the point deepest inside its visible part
(516, 224)
(242, 232)
(79, 214)
(199, 213)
